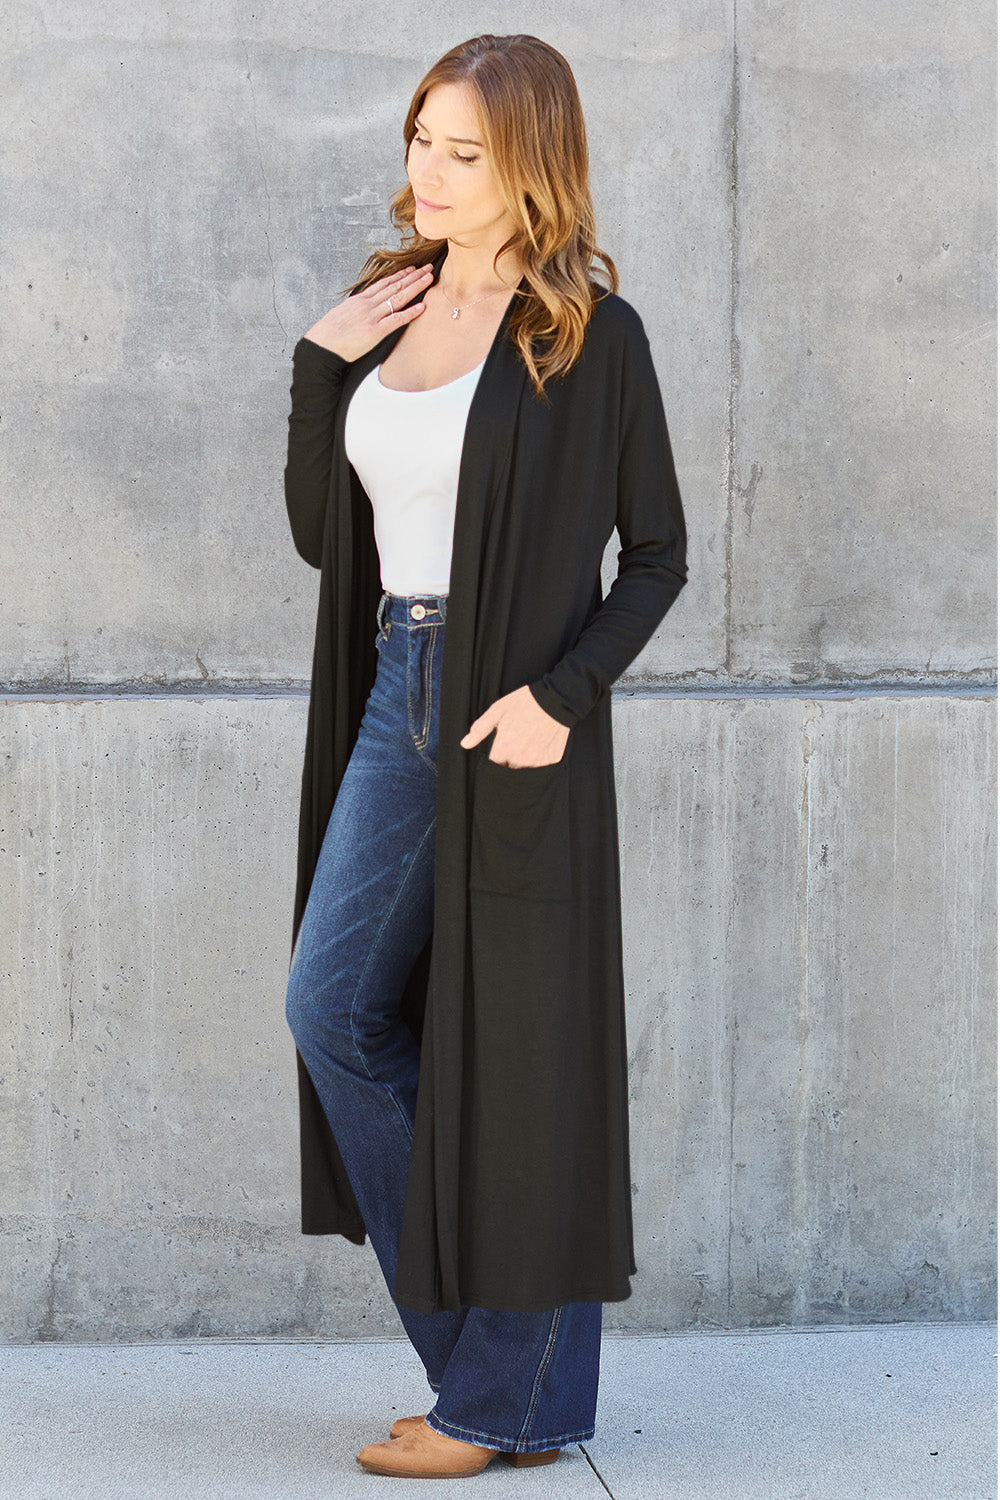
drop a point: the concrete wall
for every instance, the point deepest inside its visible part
(800, 203)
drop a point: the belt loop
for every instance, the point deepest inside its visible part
(380, 614)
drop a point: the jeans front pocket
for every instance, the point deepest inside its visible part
(520, 830)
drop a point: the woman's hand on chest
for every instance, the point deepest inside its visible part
(360, 322)
(525, 734)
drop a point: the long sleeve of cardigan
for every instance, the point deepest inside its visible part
(317, 377)
(652, 565)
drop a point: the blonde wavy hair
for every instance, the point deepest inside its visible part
(536, 143)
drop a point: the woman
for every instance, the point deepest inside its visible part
(467, 428)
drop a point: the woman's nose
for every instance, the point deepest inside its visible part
(430, 167)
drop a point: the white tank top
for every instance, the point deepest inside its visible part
(406, 447)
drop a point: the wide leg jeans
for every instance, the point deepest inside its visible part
(517, 1381)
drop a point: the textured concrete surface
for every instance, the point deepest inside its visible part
(864, 418)
(897, 1413)
(809, 888)
(801, 204)
(808, 966)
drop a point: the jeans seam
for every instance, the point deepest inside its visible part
(411, 642)
(543, 1365)
(361, 978)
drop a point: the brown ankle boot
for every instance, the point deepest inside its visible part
(423, 1453)
(403, 1425)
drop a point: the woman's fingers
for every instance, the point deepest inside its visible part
(396, 277)
(400, 289)
(357, 324)
(400, 283)
(407, 286)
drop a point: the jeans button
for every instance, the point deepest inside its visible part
(417, 611)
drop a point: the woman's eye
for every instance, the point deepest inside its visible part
(469, 159)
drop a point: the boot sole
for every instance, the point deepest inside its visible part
(518, 1460)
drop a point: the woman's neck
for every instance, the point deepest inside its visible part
(466, 274)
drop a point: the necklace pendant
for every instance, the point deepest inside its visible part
(456, 312)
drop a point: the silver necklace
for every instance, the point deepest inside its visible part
(457, 310)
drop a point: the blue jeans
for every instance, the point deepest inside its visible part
(517, 1381)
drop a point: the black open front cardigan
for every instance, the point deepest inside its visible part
(519, 1188)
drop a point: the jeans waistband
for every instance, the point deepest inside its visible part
(414, 610)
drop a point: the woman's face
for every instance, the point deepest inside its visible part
(456, 195)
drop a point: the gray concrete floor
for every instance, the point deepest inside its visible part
(883, 1412)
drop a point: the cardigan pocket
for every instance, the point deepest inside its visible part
(520, 830)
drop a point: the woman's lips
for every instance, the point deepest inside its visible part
(433, 207)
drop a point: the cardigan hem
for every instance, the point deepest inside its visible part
(356, 1233)
(619, 1291)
